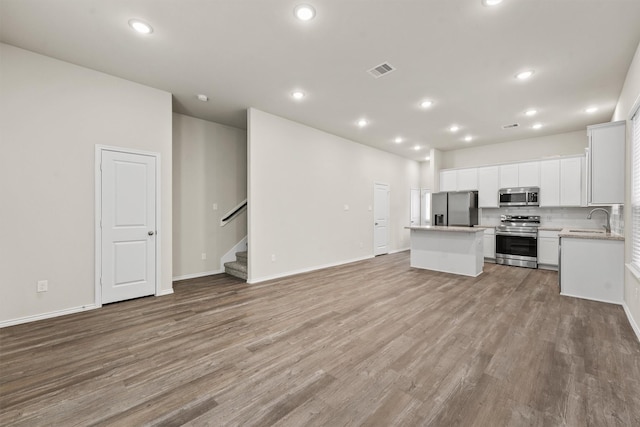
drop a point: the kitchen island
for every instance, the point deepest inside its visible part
(457, 250)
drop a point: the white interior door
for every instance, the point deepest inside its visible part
(415, 206)
(381, 219)
(128, 230)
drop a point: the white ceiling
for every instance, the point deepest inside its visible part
(254, 53)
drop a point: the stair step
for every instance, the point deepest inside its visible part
(242, 256)
(236, 269)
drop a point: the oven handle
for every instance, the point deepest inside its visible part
(508, 233)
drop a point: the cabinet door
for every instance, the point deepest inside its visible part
(508, 176)
(488, 186)
(489, 246)
(467, 179)
(571, 181)
(529, 174)
(448, 180)
(550, 183)
(548, 250)
(606, 169)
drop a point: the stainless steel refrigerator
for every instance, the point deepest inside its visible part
(455, 208)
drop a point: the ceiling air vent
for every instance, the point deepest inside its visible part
(381, 70)
(511, 126)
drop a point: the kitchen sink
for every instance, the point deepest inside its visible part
(587, 231)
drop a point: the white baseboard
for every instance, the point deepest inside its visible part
(590, 299)
(49, 315)
(395, 251)
(196, 275)
(164, 292)
(306, 270)
(632, 321)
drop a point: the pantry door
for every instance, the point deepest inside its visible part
(128, 231)
(381, 219)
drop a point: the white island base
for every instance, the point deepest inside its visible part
(457, 250)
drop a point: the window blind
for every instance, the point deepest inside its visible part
(635, 192)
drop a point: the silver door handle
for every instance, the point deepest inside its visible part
(151, 233)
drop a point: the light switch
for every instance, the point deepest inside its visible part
(215, 206)
(346, 207)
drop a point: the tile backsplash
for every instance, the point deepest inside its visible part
(559, 217)
(617, 219)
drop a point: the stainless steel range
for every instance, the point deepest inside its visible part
(517, 240)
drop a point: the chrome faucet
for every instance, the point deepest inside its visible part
(607, 226)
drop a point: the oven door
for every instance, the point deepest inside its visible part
(522, 248)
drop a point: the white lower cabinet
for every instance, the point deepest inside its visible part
(592, 269)
(548, 242)
(490, 244)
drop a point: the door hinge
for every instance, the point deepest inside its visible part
(100, 281)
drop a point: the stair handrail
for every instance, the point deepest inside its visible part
(233, 213)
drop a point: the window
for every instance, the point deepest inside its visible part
(635, 192)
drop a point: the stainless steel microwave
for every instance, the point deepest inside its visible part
(521, 196)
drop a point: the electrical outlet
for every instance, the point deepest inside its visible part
(43, 286)
(215, 206)
(203, 255)
(346, 207)
(273, 257)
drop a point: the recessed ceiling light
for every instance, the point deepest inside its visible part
(140, 26)
(427, 158)
(417, 147)
(426, 103)
(468, 138)
(531, 112)
(304, 12)
(491, 2)
(203, 97)
(524, 75)
(537, 125)
(398, 140)
(454, 128)
(298, 94)
(362, 122)
(591, 110)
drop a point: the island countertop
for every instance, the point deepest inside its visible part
(453, 229)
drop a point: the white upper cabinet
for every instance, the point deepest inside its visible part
(508, 176)
(520, 175)
(488, 186)
(449, 180)
(571, 181)
(550, 183)
(529, 174)
(605, 175)
(467, 179)
(561, 182)
(459, 179)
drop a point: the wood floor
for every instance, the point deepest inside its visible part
(370, 343)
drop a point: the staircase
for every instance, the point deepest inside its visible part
(237, 268)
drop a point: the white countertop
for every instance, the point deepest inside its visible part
(443, 228)
(586, 233)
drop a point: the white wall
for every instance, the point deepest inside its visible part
(563, 144)
(209, 167)
(627, 102)
(52, 114)
(300, 178)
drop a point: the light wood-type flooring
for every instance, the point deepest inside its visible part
(370, 343)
